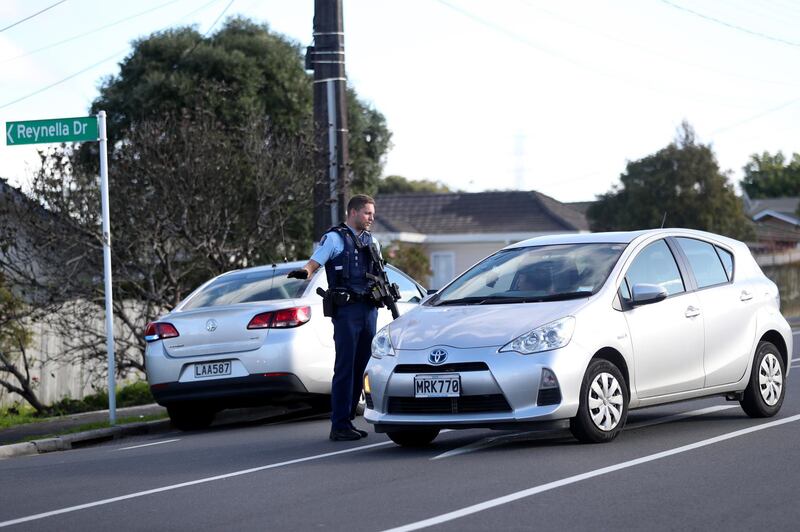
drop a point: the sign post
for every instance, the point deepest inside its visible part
(78, 129)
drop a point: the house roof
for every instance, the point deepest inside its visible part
(477, 212)
(786, 205)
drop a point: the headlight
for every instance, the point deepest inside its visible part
(554, 335)
(382, 344)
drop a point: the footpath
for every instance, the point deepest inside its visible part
(48, 435)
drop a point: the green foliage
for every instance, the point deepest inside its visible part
(682, 181)
(242, 71)
(411, 259)
(137, 393)
(395, 184)
(771, 176)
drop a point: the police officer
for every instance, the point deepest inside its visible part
(344, 251)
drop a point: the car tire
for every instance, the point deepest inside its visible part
(764, 394)
(413, 438)
(191, 417)
(603, 407)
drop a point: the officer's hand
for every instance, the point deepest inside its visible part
(298, 274)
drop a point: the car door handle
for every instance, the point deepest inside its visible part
(745, 296)
(691, 312)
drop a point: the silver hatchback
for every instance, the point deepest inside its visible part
(249, 337)
(577, 330)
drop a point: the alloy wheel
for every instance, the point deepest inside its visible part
(605, 402)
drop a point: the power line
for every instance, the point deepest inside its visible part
(583, 65)
(187, 54)
(65, 79)
(31, 16)
(104, 60)
(99, 28)
(732, 26)
(638, 46)
(754, 117)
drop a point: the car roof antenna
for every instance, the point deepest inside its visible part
(664, 219)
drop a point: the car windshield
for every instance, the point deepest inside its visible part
(244, 287)
(533, 274)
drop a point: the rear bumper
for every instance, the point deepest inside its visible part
(250, 390)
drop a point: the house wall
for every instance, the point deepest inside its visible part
(465, 255)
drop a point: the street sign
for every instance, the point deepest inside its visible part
(52, 130)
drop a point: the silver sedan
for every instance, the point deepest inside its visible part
(249, 337)
(575, 330)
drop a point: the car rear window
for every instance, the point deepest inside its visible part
(245, 287)
(704, 261)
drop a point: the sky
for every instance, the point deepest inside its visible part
(547, 95)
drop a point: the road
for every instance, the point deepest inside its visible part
(693, 465)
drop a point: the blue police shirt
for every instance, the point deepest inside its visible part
(331, 245)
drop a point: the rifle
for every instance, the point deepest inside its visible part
(383, 292)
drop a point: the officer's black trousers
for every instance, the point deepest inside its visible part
(353, 329)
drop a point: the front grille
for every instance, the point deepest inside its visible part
(444, 368)
(466, 404)
(549, 396)
(368, 397)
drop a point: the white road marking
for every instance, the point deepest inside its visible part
(492, 503)
(507, 438)
(102, 502)
(147, 444)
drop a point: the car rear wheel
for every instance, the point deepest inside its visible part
(764, 394)
(191, 417)
(603, 406)
(413, 438)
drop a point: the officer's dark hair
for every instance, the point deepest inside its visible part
(358, 201)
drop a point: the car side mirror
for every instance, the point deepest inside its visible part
(645, 294)
(431, 291)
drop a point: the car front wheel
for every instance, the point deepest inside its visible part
(764, 394)
(413, 438)
(603, 406)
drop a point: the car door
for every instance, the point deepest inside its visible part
(667, 336)
(728, 315)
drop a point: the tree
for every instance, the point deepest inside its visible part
(680, 185)
(771, 176)
(189, 198)
(411, 259)
(241, 71)
(395, 184)
(15, 364)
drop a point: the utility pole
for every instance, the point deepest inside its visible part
(326, 59)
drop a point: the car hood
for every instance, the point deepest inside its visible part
(466, 327)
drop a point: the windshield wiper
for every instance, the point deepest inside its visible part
(559, 297)
(498, 300)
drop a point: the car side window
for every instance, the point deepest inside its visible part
(656, 265)
(727, 261)
(409, 291)
(705, 262)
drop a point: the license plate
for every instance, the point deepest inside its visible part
(212, 369)
(437, 385)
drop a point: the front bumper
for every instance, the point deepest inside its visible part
(499, 390)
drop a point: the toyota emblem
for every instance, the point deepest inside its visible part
(437, 356)
(211, 325)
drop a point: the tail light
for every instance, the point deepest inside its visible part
(159, 331)
(281, 319)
